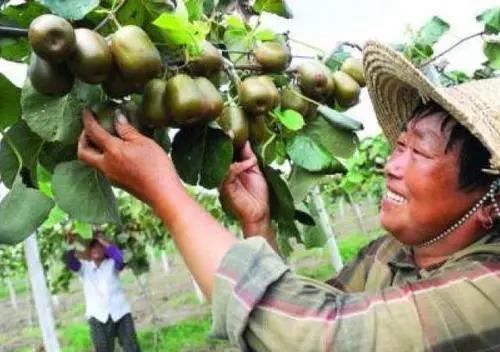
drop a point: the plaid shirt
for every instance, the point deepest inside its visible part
(380, 302)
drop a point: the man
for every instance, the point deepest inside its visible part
(107, 309)
(432, 284)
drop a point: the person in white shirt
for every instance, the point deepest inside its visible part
(107, 309)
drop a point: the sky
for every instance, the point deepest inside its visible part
(324, 23)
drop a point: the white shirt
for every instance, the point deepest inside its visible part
(103, 291)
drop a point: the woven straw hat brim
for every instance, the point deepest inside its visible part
(396, 87)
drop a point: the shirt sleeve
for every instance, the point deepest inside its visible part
(116, 254)
(72, 262)
(260, 305)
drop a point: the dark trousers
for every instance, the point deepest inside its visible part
(103, 334)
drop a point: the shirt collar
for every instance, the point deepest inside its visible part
(404, 258)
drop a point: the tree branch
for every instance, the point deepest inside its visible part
(13, 31)
(111, 15)
(451, 48)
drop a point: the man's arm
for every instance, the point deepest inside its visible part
(70, 256)
(201, 240)
(114, 252)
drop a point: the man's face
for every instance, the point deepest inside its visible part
(423, 198)
(97, 252)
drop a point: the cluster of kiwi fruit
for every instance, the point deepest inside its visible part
(128, 62)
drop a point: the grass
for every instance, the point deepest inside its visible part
(20, 285)
(188, 334)
(183, 299)
(321, 267)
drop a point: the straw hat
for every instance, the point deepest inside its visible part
(396, 87)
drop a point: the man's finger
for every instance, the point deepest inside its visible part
(125, 130)
(247, 152)
(87, 153)
(94, 131)
(242, 166)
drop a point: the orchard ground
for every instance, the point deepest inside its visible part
(173, 307)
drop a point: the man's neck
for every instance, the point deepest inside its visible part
(440, 251)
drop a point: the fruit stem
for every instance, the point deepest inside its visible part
(307, 45)
(305, 98)
(14, 149)
(110, 16)
(267, 144)
(233, 75)
(451, 48)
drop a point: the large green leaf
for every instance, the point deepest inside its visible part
(277, 7)
(339, 120)
(302, 181)
(17, 50)
(432, 31)
(23, 14)
(10, 104)
(491, 20)
(72, 10)
(22, 211)
(340, 143)
(58, 119)
(308, 154)
(178, 31)
(492, 52)
(28, 145)
(84, 193)
(336, 59)
(202, 155)
(195, 9)
(55, 153)
(238, 38)
(291, 119)
(282, 208)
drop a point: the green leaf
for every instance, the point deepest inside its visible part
(308, 154)
(291, 119)
(72, 10)
(336, 59)
(83, 229)
(58, 119)
(492, 52)
(10, 105)
(338, 119)
(22, 211)
(202, 155)
(304, 218)
(238, 38)
(491, 20)
(277, 7)
(55, 153)
(432, 31)
(302, 181)
(23, 14)
(195, 9)
(340, 143)
(56, 216)
(265, 35)
(84, 193)
(28, 145)
(133, 12)
(282, 208)
(179, 32)
(17, 50)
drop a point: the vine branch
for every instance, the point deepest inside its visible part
(451, 48)
(110, 16)
(13, 31)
